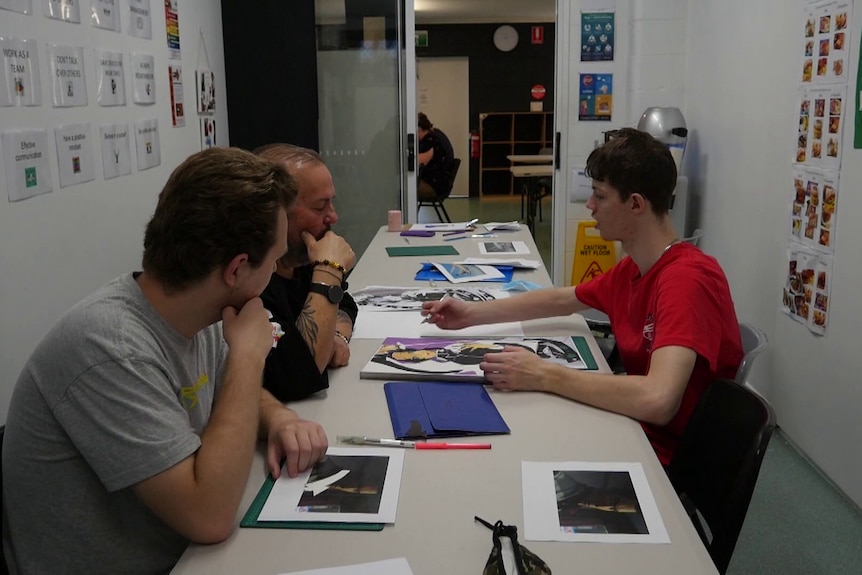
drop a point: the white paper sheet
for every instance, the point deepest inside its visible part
(74, 153)
(599, 502)
(362, 468)
(458, 273)
(147, 144)
(491, 226)
(111, 78)
(116, 151)
(397, 566)
(69, 87)
(140, 19)
(25, 158)
(503, 247)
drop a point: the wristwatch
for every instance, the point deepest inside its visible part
(333, 293)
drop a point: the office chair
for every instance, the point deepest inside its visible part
(715, 466)
(437, 203)
(753, 342)
(694, 237)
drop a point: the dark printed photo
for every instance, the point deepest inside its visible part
(345, 484)
(598, 502)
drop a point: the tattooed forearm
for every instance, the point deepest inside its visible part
(307, 326)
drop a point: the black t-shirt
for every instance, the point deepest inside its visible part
(291, 372)
(436, 172)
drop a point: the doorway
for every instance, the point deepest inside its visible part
(443, 94)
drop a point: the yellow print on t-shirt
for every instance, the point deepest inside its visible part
(189, 394)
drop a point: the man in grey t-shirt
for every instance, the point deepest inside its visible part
(132, 427)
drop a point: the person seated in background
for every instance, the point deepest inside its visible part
(669, 304)
(132, 426)
(307, 295)
(435, 161)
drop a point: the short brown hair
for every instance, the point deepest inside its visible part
(635, 162)
(217, 204)
(424, 122)
(294, 157)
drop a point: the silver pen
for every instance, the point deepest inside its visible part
(427, 318)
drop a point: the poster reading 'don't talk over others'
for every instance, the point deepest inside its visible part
(595, 97)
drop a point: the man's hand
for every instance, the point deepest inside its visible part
(515, 369)
(330, 247)
(301, 443)
(248, 331)
(448, 313)
(340, 352)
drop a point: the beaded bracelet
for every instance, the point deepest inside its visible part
(330, 263)
(342, 336)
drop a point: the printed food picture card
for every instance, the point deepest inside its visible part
(807, 287)
(814, 208)
(821, 124)
(206, 92)
(826, 42)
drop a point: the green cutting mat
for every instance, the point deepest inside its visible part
(250, 519)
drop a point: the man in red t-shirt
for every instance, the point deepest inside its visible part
(669, 304)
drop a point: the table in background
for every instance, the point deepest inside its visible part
(531, 187)
(442, 491)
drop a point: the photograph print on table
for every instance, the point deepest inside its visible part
(451, 359)
(393, 298)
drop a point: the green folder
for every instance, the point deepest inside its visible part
(442, 250)
(250, 519)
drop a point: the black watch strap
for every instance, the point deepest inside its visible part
(333, 293)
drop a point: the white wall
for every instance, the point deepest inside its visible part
(56, 248)
(741, 102)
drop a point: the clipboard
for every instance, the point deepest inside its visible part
(250, 519)
(437, 409)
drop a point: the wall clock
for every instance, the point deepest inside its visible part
(505, 38)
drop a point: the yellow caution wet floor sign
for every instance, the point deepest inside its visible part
(593, 255)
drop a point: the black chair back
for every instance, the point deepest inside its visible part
(4, 570)
(450, 182)
(716, 464)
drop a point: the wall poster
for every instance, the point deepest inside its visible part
(19, 73)
(597, 36)
(807, 287)
(596, 97)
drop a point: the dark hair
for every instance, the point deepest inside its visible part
(424, 122)
(217, 204)
(635, 162)
(294, 157)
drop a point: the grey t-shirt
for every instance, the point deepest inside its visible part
(112, 396)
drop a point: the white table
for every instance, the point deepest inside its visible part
(531, 158)
(442, 491)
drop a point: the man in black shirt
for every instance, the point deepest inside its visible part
(435, 161)
(307, 293)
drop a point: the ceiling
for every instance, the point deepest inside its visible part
(458, 11)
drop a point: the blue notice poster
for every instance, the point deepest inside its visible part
(597, 36)
(596, 97)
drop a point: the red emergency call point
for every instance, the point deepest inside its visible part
(538, 92)
(537, 36)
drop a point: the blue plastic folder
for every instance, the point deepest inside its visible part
(432, 409)
(430, 273)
